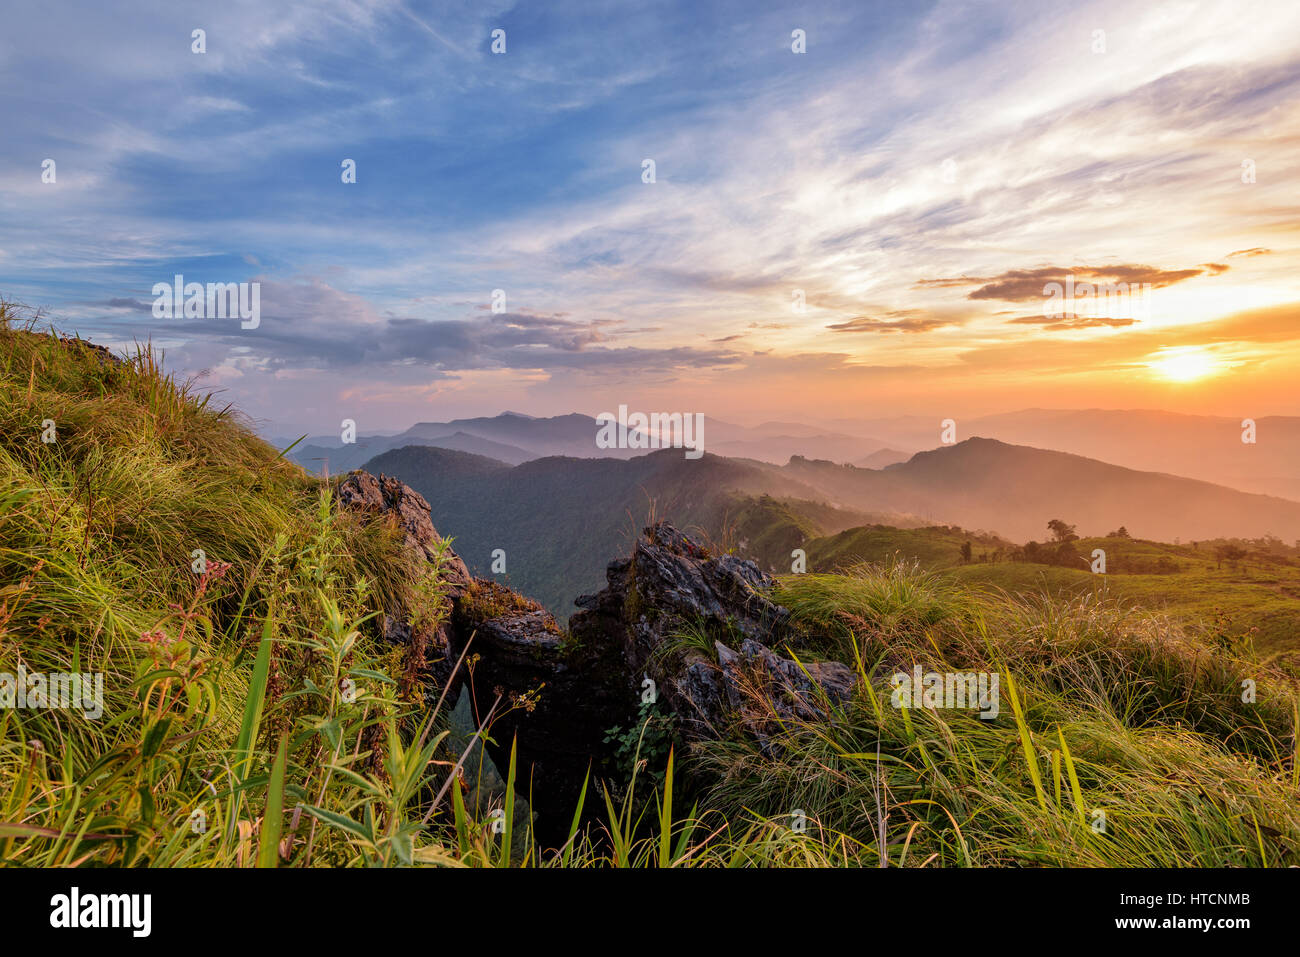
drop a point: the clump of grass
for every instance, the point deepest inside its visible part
(483, 600)
(879, 605)
(253, 717)
(1120, 742)
(158, 542)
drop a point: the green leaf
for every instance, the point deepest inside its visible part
(666, 817)
(154, 737)
(268, 854)
(577, 818)
(508, 837)
(252, 712)
(355, 828)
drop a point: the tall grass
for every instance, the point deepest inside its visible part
(251, 716)
(254, 717)
(209, 661)
(1121, 741)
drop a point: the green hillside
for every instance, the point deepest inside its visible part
(1261, 601)
(935, 546)
(1255, 594)
(1015, 490)
(149, 537)
(560, 520)
(253, 714)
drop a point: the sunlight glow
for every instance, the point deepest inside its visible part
(1184, 364)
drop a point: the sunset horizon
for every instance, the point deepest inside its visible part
(713, 218)
(588, 435)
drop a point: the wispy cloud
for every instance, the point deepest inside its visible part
(918, 167)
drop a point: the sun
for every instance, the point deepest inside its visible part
(1184, 363)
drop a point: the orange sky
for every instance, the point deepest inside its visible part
(868, 227)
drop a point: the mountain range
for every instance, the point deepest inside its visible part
(557, 518)
(514, 438)
(1196, 446)
(1209, 448)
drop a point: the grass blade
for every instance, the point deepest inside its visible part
(252, 714)
(666, 817)
(1027, 742)
(268, 855)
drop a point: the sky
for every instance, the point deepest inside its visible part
(861, 229)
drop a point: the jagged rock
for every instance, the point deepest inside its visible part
(556, 694)
(103, 355)
(676, 577)
(672, 583)
(392, 500)
(699, 684)
(789, 690)
(391, 497)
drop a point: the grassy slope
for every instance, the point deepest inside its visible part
(1264, 596)
(1103, 709)
(98, 537)
(233, 708)
(768, 529)
(1255, 593)
(935, 546)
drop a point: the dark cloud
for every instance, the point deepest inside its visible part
(1026, 285)
(508, 340)
(310, 324)
(133, 304)
(1071, 321)
(554, 331)
(911, 323)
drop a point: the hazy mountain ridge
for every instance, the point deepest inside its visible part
(1195, 446)
(515, 438)
(556, 518)
(1208, 448)
(1015, 490)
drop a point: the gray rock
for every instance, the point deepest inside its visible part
(559, 692)
(672, 583)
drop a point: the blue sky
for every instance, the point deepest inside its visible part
(903, 173)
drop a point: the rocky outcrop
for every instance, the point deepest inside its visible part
(390, 500)
(514, 658)
(701, 626)
(672, 586)
(102, 354)
(397, 501)
(766, 691)
(553, 695)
